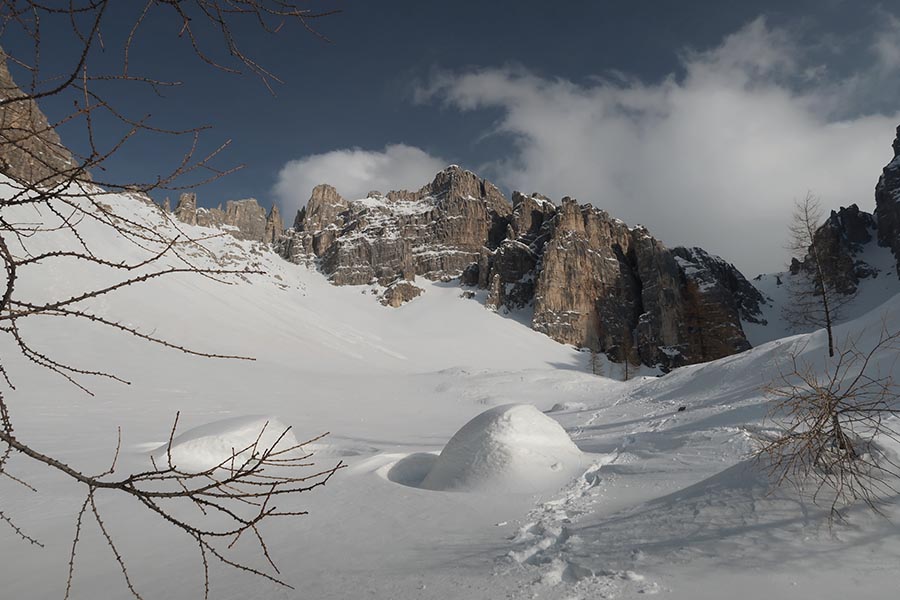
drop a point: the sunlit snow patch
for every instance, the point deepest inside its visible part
(214, 444)
(512, 448)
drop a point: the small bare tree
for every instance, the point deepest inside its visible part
(629, 354)
(65, 192)
(830, 423)
(816, 298)
(596, 363)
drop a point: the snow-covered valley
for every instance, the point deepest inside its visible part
(660, 495)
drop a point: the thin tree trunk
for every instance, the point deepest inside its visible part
(823, 289)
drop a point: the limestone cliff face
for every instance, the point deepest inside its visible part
(619, 290)
(30, 150)
(244, 219)
(248, 217)
(585, 291)
(435, 232)
(887, 203)
(590, 279)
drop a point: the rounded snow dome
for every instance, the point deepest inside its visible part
(514, 447)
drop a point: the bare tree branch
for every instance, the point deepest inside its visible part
(832, 425)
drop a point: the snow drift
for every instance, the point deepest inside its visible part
(214, 444)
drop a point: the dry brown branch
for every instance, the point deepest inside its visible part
(67, 192)
(832, 426)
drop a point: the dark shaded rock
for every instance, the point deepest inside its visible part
(887, 203)
(470, 275)
(722, 279)
(838, 243)
(716, 298)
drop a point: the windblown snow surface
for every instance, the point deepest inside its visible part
(648, 498)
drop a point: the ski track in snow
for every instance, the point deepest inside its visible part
(547, 547)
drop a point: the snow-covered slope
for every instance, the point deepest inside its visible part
(664, 503)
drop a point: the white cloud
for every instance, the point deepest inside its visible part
(354, 172)
(712, 157)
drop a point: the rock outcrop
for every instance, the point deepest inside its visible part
(399, 292)
(839, 242)
(244, 219)
(591, 280)
(887, 204)
(30, 149)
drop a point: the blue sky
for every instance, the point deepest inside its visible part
(700, 119)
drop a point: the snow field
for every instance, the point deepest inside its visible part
(647, 498)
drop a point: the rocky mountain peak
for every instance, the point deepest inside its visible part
(322, 210)
(244, 219)
(455, 182)
(435, 232)
(853, 225)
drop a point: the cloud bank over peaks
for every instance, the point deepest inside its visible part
(354, 172)
(713, 155)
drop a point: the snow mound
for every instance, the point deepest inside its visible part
(513, 447)
(211, 445)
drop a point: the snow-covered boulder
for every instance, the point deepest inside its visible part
(211, 445)
(514, 447)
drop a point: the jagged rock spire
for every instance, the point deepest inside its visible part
(274, 226)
